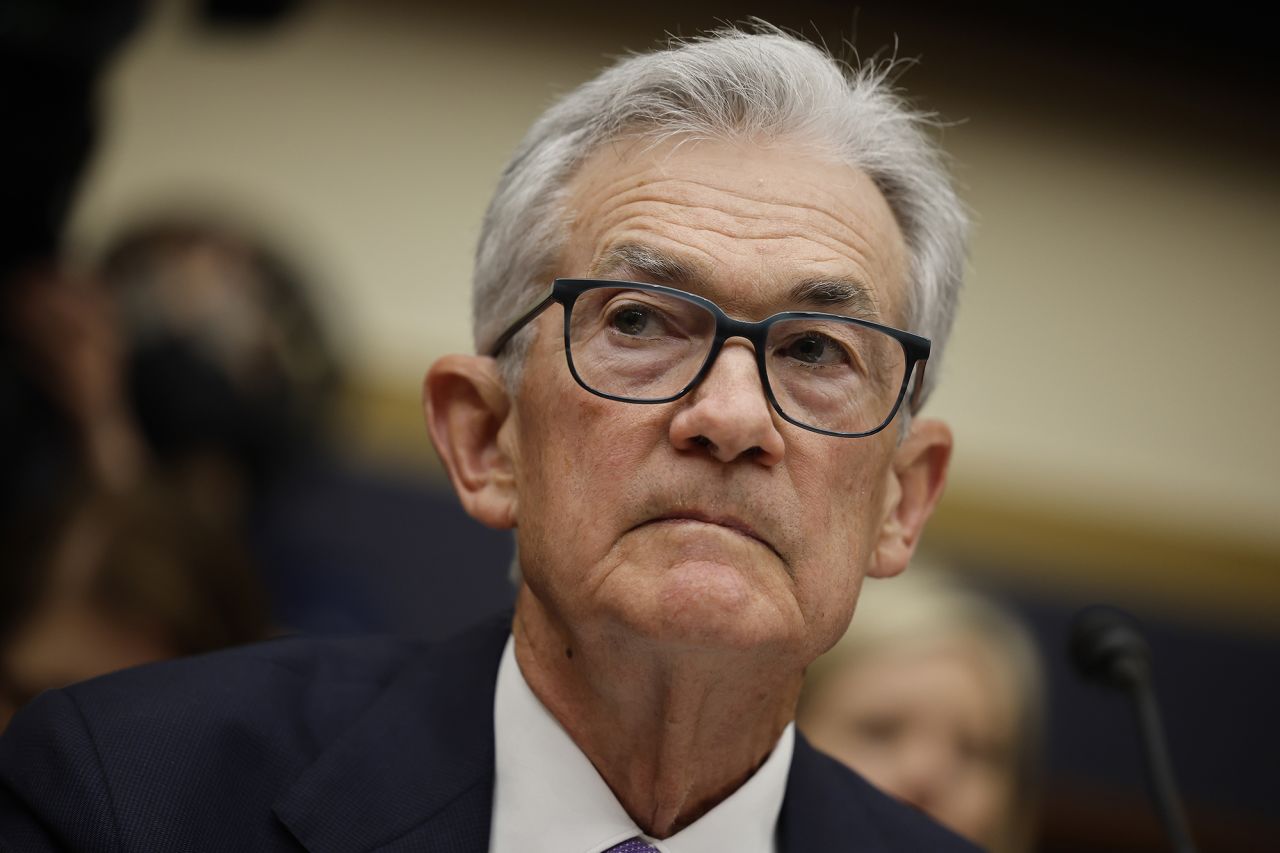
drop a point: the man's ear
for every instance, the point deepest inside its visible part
(466, 405)
(916, 481)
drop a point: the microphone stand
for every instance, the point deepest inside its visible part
(1108, 649)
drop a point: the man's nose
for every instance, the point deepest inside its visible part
(728, 413)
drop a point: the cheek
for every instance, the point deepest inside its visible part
(841, 499)
(842, 489)
(579, 463)
(977, 807)
(581, 452)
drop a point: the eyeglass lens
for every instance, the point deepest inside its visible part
(824, 372)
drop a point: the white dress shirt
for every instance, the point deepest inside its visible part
(549, 798)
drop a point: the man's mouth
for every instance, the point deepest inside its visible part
(729, 522)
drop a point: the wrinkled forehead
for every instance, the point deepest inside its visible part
(757, 227)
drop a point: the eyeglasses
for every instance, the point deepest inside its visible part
(645, 343)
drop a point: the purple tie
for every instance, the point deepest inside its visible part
(635, 845)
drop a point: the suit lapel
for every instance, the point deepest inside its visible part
(416, 769)
(821, 811)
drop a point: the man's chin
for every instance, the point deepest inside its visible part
(703, 603)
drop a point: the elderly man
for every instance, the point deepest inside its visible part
(703, 434)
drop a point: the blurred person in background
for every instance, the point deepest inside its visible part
(935, 695)
(106, 562)
(193, 358)
(178, 386)
(228, 372)
(234, 383)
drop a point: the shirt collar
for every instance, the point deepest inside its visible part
(549, 798)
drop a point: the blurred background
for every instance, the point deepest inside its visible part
(237, 231)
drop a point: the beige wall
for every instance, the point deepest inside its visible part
(1115, 357)
(1118, 343)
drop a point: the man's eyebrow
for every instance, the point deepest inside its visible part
(650, 263)
(837, 295)
(840, 295)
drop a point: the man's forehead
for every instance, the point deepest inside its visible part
(756, 228)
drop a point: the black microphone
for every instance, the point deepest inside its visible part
(1108, 649)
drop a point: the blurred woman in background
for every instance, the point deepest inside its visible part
(935, 696)
(159, 398)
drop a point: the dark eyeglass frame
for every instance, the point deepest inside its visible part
(565, 291)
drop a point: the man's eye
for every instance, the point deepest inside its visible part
(814, 348)
(883, 729)
(635, 320)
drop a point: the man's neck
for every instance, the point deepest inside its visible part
(672, 732)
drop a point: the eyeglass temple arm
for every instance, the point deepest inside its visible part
(515, 327)
(917, 388)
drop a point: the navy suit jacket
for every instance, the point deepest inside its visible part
(329, 746)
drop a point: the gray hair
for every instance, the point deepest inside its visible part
(757, 84)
